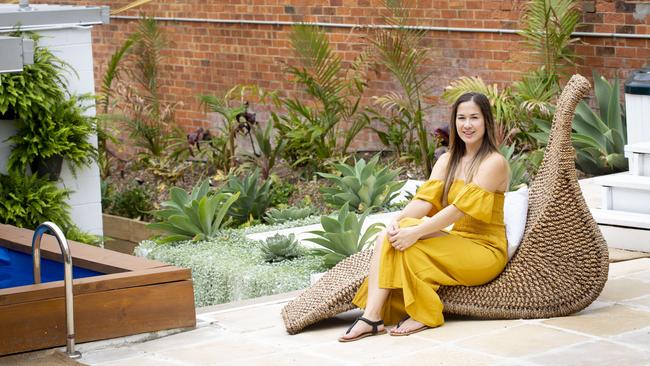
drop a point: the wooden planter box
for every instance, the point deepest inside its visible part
(136, 295)
(124, 234)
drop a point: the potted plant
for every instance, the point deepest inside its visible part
(51, 125)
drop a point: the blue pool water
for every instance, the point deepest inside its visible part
(20, 270)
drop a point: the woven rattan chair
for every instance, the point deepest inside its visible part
(560, 268)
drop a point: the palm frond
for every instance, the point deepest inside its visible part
(130, 6)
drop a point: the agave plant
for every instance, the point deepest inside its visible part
(362, 186)
(600, 138)
(280, 247)
(278, 216)
(253, 200)
(341, 236)
(196, 216)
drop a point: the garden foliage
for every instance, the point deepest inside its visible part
(342, 235)
(364, 186)
(278, 216)
(279, 247)
(196, 216)
(253, 197)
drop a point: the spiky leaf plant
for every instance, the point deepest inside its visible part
(196, 216)
(253, 199)
(342, 235)
(279, 216)
(364, 186)
(279, 247)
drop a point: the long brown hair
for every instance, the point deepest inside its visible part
(457, 146)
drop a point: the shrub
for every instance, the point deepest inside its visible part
(280, 247)
(341, 236)
(28, 201)
(253, 199)
(362, 186)
(281, 193)
(278, 216)
(76, 234)
(196, 216)
(134, 202)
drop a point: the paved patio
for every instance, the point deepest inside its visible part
(613, 330)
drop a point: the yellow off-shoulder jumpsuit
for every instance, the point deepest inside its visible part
(473, 253)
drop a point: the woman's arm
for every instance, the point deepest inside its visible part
(419, 208)
(492, 176)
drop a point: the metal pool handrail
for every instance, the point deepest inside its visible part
(67, 265)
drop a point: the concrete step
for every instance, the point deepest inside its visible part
(624, 230)
(625, 192)
(638, 155)
(621, 218)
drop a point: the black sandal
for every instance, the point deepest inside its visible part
(375, 330)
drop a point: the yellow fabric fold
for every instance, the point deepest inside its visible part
(431, 191)
(476, 202)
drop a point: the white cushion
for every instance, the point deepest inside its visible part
(515, 212)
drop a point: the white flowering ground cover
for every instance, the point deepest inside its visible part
(232, 267)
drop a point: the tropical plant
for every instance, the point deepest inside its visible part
(253, 198)
(266, 158)
(232, 107)
(76, 234)
(279, 247)
(362, 186)
(312, 129)
(149, 119)
(399, 49)
(278, 216)
(523, 166)
(29, 200)
(65, 133)
(342, 235)
(196, 216)
(600, 138)
(105, 104)
(548, 26)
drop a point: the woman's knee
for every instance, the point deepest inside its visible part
(381, 238)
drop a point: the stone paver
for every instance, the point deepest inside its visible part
(614, 330)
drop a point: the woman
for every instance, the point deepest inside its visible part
(417, 255)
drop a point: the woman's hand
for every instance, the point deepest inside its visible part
(403, 238)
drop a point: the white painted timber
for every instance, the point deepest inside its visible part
(639, 157)
(626, 238)
(637, 117)
(621, 218)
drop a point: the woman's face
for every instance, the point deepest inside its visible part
(470, 124)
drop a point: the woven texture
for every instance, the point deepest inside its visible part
(560, 267)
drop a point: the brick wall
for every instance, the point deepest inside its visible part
(208, 58)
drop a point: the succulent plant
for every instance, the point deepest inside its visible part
(362, 186)
(279, 216)
(253, 199)
(341, 236)
(195, 216)
(279, 247)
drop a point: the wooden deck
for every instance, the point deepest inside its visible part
(135, 295)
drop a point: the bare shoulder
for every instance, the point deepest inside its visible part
(440, 167)
(493, 173)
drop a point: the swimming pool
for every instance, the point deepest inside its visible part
(115, 295)
(20, 271)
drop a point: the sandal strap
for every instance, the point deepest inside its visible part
(399, 323)
(374, 325)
